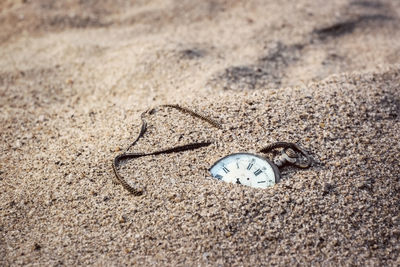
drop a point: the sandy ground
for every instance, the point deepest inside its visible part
(75, 76)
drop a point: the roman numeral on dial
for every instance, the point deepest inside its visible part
(250, 165)
(219, 177)
(225, 169)
(257, 172)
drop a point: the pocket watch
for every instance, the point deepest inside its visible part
(246, 169)
(257, 171)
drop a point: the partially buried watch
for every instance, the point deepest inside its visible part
(257, 171)
(246, 169)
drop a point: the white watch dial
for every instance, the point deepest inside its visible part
(246, 169)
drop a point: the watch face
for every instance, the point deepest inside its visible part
(246, 169)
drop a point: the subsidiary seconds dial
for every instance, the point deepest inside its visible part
(246, 169)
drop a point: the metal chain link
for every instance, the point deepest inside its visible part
(288, 153)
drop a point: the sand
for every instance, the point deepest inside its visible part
(75, 77)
